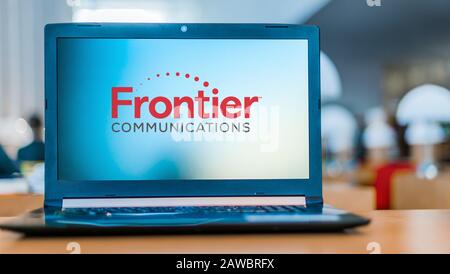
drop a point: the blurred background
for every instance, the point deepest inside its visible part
(385, 80)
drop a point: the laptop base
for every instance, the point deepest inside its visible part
(53, 223)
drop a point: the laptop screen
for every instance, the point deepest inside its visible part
(182, 109)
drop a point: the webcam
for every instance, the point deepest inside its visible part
(184, 28)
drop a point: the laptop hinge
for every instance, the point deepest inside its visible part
(185, 201)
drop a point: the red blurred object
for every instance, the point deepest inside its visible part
(383, 180)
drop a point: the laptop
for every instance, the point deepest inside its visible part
(182, 128)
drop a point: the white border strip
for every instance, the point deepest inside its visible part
(185, 201)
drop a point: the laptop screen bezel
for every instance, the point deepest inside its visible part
(56, 190)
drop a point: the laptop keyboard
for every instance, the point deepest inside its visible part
(106, 211)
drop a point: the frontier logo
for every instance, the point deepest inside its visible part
(205, 110)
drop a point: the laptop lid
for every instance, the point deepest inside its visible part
(172, 110)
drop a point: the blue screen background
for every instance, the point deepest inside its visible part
(276, 70)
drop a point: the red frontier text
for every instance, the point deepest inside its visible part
(229, 107)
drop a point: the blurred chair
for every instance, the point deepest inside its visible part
(350, 197)
(35, 151)
(11, 181)
(383, 182)
(411, 192)
(7, 167)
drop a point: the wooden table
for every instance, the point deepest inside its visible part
(414, 231)
(409, 231)
(13, 205)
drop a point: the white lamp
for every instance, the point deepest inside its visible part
(424, 133)
(378, 137)
(422, 109)
(338, 132)
(424, 103)
(378, 133)
(338, 128)
(330, 81)
(14, 132)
